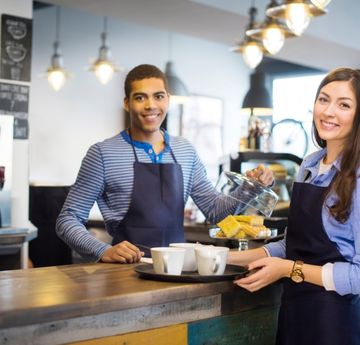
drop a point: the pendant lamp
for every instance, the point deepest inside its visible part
(251, 49)
(257, 100)
(103, 67)
(178, 90)
(56, 74)
(296, 14)
(272, 32)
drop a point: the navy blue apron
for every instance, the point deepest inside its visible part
(156, 213)
(309, 314)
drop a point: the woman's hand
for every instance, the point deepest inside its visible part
(123, 252)
(261, 174)
(265, 271)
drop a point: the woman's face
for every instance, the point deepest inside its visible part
(334, 112)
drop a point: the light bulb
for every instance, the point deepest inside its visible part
(297, 17)
(56, 78)
(104, 71)
(273, 39)
(321, 3)
(252, 54)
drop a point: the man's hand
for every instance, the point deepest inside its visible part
(262, 175)
(123, 252)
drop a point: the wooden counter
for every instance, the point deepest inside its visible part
(67, 304)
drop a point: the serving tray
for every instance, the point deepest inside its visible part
(146, 271)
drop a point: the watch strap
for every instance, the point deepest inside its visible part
(297, 274)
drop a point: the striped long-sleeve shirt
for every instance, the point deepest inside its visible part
(106, 177)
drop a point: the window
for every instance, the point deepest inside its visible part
(293, 98)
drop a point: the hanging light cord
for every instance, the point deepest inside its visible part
(104, 48)
(57, 33)
(56, 59)
(252, 15)
(105, 24)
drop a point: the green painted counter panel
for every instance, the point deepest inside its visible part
(253, 327)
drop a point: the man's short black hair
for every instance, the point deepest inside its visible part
(143, 72)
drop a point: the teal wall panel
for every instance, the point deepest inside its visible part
(253, 327)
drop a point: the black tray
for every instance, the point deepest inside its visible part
(146, 271)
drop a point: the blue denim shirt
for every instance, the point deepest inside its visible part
(345, 236)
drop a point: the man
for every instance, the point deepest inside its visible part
(141, 179)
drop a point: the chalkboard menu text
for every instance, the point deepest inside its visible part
(14, 100)
(16, 40)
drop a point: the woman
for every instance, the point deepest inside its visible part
(320, 257)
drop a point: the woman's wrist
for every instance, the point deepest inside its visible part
(288, 268)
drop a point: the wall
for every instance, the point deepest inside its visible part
(20, 178)
(64, 124)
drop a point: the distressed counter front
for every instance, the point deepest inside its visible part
(109, 304)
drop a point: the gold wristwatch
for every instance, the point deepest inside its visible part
(297, 274)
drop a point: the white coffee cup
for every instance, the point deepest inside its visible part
(190, 264)
(168, 260)
(211, 260)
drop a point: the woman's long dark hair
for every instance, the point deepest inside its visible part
(344, 183)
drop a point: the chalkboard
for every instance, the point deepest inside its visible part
(14, 100)
(16, 40)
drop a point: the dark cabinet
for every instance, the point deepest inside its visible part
(44, 207)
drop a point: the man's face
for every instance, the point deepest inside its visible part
(147, 104)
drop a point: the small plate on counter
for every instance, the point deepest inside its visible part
(146, 271)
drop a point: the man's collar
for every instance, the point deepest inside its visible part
(145, 145)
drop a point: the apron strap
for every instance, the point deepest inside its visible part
(171, 151)
(133, 147)
(173, 156)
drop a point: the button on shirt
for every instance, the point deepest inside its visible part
(148, 147)
(346, 237)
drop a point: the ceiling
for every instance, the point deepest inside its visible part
(330, 40)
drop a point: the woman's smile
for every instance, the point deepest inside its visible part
(327, 125)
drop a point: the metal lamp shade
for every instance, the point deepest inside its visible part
(177, 88)
(258, 101)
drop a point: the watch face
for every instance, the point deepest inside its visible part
(297, 279)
